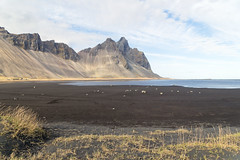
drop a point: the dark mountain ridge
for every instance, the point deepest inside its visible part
(33, 42)
(109, 59)
(123, 48)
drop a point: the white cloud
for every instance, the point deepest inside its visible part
(196, 68)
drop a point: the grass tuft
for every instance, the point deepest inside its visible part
(21, 131)
(21, 123)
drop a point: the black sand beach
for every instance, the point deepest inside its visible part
(125, 105)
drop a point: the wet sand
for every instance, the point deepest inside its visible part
(125, 105)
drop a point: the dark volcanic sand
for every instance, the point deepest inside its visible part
(125, 105)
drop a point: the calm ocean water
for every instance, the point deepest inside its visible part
(231, 83)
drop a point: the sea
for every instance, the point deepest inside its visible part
(192, 83)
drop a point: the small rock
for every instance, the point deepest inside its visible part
(144, 92)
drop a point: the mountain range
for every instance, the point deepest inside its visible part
(27, 56)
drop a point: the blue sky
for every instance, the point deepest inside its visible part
(181, 38)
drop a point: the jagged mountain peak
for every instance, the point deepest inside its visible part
(110, 40)
(109, 45)
(3, 31)
(123, 45)
(48, 58)
(122, 49)
(123, 39)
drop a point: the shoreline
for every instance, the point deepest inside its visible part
(79, 79)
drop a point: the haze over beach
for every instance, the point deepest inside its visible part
(129, 79)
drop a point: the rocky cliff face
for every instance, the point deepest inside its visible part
(133, 55)
(60, 49)
(26, 55)
(121, 53)
(107, 51)
(3, 31)
(34, 42)
(28, 41)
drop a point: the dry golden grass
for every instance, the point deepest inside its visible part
(94, 147)
(178, 131)
(179, 144)
(20, 132)
(20, 122)
(138, 146)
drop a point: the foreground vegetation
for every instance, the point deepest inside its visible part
(21, 130)
(22, 125)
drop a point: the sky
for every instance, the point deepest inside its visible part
(182, 39)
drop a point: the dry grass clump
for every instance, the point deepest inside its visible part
(20, 132)
(20, 123)
(178, 131)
